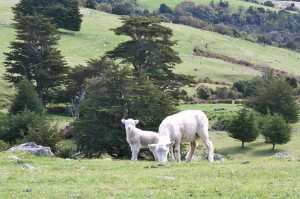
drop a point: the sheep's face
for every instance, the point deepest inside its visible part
(161, 150)
(129, 124)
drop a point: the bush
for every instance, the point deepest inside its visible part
(121, 9)
(276, 130)
(204, 92)
(3, 146)
(269, 4)
(105, 7)
(44, 134)
(16, 126)
(64, 152)
(243, 126)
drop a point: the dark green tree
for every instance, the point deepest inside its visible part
(63, 13)
(150, 52)
(26, 99)
(114, 95)
(163, 8)
(276, 130)
(243, 126)
(17, 126)
(34, 56)
(276, 96)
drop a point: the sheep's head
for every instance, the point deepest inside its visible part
(129, 124)
(161, 150)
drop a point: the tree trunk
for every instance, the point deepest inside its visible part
(243, 143)
(273, 146)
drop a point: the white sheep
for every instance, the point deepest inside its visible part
(138, 138)
(187, 126)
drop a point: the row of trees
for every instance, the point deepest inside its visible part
(276, 108)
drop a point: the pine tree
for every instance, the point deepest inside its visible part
(26, 99)
(243, 126)
(276, 96)
(34, 56)
(276, 130)
(150, 52)
(63, 13)
(114, 95)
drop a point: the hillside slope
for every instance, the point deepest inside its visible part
(95, 38)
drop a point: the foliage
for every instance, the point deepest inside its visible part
(150, 52)
(222, 93)
(163, 8)
(17, 126)
(276, 130)
(204, 92)
(116, 94)
(243, 126)
(276, 96)
(43, 133)
(63, 13)
(26, 98)
(3, 146)
(34, 56)
(121, 9)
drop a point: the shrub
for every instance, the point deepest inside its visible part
(105, 7)
(121, 9)
(269, 4)
(204, 92)
(64, 152)
(3, 146)
(43, 134)
(243, 126)
(276, 130)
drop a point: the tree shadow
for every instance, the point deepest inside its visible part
(266, 152)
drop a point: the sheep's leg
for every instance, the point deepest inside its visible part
(193, 146)
(154, 153)
(134, 152)
(177, 152)
(171, 154)
(210, 150)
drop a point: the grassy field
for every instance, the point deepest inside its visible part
(252, 172)
(59, 178)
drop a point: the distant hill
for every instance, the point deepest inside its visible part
(95, 38)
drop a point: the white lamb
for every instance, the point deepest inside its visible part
(187, 126)
(138, 138)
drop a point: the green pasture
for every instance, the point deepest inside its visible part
(251, 172)
(53, 178)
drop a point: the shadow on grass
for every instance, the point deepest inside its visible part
(266, 152)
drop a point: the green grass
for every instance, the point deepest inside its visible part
(95, 38)
(265, 176)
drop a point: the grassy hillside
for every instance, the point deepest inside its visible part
(95, 38)
(153, 5)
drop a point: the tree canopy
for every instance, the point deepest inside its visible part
(115, 94)
(34, 56)
(275, 96)
(243, 126)
(276, 130)
(150, 51)
(63, 13)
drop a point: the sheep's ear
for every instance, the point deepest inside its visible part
(171, 144)
(123, 121)
(136, 121)
(152, 146)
